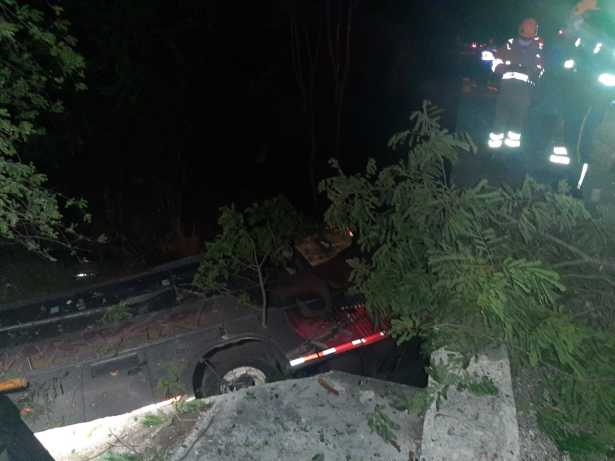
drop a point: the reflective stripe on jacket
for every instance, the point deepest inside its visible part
(520, 59)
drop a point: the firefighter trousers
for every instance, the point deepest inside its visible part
(511, 111)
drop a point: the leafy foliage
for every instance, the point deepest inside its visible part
(384, 426)
(37, 62)
(527, 267)
(171, 384)
(110, 456)
(116, 314)
(188, 407)
(417, 403)
(249, 242)
(443, 377)
(152, 420)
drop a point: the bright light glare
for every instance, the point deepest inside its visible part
(560, 150)
(569, 64)
(514, 136)
(583, 173)
(487, 56)
(607, 79)
(559, 159)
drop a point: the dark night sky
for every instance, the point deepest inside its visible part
(192, 104)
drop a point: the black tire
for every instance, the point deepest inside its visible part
(17, 442)
(236, 368)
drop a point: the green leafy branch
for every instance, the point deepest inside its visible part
(249, 243)
(384, 426)
(467, 269)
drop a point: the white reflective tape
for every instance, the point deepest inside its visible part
(511, 40)
(577, 43)
(512, 143)
(559, 159)
(496, 136)
(295, 362)
(560, 150)
(597, 48)
(507, 63)
(607, 79)
(538, 55)
(514, 135)
(494, 143)
(516, 76)
(569, 64)
(495, 63)
(340, 348)
(583, 173)
(487, 56)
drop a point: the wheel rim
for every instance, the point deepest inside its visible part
(241, 378)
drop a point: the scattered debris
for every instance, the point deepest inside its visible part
(327, 386)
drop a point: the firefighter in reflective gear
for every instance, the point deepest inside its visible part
(570, 77)
(520, 64)
(582, 103)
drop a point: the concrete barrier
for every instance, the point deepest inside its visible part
(470, 427)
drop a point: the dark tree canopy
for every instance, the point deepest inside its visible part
(38, 62)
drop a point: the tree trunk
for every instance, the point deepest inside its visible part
(312, 171)
(305, 58)
(339, 41)
(261, 283)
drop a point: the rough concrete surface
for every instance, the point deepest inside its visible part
(319, 418)
(468, 427)
(127, 433)
(323, 418)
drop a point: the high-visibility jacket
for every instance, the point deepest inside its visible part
(520, 59)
